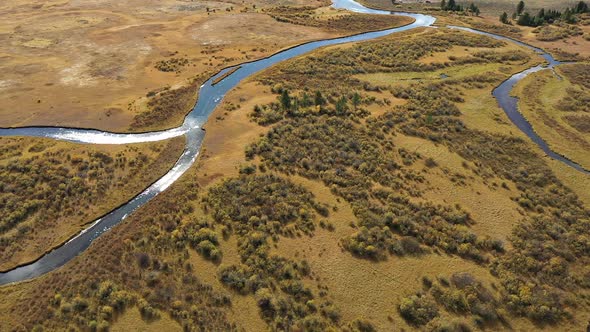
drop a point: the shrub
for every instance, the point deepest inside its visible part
(430, 163)
(418, 310)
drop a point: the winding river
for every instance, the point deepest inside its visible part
(209, 98)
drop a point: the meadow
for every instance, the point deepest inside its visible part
(563, 40)
(375, 204)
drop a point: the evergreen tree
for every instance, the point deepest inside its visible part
(341, 106)
(305, 100)
(285, 100)
(504, 18)
(474, 9)
(443, 5)
(520, 8)
(356, 100)
(540, 18)
(319, 99)
(451, 5)
(568, 16)
(525, 19)
(581, 7)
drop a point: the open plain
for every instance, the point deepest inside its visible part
(374, 185)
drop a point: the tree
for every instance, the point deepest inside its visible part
(443, 5)
(319, 100)
(285, 100)
(474, 9)
(356, 100)
(305, 100)
(504, 18)
(520, 7)
(568, 16)
(341, 106)
(524, 19)
(451, 5)
(541, 14)
(581, 7)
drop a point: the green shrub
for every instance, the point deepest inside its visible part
(418, 310)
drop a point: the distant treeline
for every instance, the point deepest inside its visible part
(524, 18)
(453, 6)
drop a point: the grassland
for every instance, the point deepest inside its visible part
(333, 209)
(563, 41)
(107, 65)
(488, 7)
(557, 107)
(50, 190)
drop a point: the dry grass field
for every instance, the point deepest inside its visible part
(92, 64)
(376, 288)
(488, 7)
(567, 46)
(52, 190)
(159, 261)
(401, 198)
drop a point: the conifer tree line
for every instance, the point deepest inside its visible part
(543, 16)
(453, 6)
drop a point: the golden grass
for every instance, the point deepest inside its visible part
(244, 310)
(479, 110)
(360, 288)
(572, 179)
(99, 78)
(364, 288)
(490, 206)
(131, 321)
(408, 77)
(229, 132)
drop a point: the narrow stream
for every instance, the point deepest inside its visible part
(209, 98)
(510, 104)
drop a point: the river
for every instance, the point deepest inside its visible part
(209, 98)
